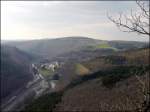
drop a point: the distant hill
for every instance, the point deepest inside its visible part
(50, 48)
(15, 70)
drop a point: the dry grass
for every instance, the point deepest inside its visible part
(127, 95)
(92, 96)
(137, 57)
(81, 70)
(97, 64)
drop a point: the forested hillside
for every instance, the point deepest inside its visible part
(50, 48)
(15, 70)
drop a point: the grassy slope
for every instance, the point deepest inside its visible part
(81, 70)
(46, 72)
(101, 46)
(105, 46)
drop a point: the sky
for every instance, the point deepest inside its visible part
(24, 20)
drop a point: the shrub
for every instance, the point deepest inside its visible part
(121, 73)
(44, 103)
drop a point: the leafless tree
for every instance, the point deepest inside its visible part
(137, 21)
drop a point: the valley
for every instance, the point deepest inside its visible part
(56, 80)
(40, 84)
(75, 56)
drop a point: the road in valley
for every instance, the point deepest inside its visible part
(20, 96)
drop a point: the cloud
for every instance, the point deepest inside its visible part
(40, 19)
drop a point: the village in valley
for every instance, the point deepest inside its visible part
(45, 80)
(45, 74)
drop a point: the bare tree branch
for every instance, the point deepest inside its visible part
(137, 22)
(142, 6)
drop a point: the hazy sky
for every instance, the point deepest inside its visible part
(53, 19)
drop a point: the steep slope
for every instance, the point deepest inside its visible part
(92, 96)
(118, 89)
(115, 86)
(15, 70)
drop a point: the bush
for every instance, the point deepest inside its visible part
(110, 80)
(121, 73)
(45, 103)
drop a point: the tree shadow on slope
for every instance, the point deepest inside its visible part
(112, 76)
(44, 103)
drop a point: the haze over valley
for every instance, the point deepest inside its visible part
(101, 69)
